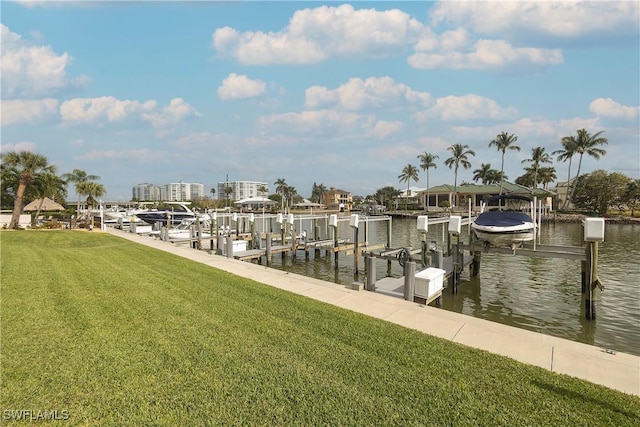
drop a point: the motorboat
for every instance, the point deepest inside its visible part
(505, 226)
(172, 213)
(184, 229)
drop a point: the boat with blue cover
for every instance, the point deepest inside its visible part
(505, 226)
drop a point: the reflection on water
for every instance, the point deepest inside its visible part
(538, 294)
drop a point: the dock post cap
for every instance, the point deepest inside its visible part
(423, 223)
(455, 224)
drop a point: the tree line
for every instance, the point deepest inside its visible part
(28, 176)
(574, 145)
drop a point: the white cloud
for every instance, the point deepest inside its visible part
(105, 108)
(382, 129)
(139, 154)
(314, 35)
(174, 113)
(558, 19)
(358, 94)
(19, 146)
(607, 107)
(236, 86)
(487, 54)
(318, 123)
(31, 71)
(27, 111)
(467, 107)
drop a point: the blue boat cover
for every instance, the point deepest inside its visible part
(502, 218)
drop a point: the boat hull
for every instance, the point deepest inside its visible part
(503, 228)
(502, 236)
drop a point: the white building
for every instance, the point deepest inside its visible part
(174, 192)
(241, 190)
(182, 191)
(145, 192)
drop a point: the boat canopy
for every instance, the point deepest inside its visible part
(507, 197)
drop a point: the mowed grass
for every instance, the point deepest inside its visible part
(116, 333)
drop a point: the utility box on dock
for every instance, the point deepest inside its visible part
(594, 230)
(429, 282)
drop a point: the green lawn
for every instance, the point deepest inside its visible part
(115, 333)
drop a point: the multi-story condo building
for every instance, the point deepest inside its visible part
(182, 191)
(145, 192)
(240, 190)
(174, 192)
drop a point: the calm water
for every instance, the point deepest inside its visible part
(538, 294)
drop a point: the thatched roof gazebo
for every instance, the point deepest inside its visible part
(44, 204)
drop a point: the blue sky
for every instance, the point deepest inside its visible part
(340, 94)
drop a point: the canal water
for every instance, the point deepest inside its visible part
(538, 294)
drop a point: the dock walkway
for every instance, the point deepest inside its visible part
(619, 371)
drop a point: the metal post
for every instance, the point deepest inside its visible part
(268, 245)
(409, 280)
(229, 247)
(355, 252)
(370, 263)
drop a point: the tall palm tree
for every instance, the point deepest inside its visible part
(409, 173)
(427, 160)
(588, 144)
(569, 147)
(25, 165)
(91, 189)
(78, 178)
(460, 156)
(321, 191)
(538, 156)
(281, 188)
(483, 174)
(504, 142)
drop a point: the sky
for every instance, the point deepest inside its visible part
(334, 93)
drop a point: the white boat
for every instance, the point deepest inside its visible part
(182, 230)
(504, 227)
(172, 212)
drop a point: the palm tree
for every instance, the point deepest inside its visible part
(25, 165)
(427, 160)
(482, 174)
(459, 157)
(588, 144)
(504, 142)
(79, 177)
(91, 189)
(569, 147)
(48, 185)
(538, 156)
(409, 173)
(281, 188)
(546, 176)
(227, 192)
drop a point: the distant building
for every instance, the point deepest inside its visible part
(182, 191)
(174, 192)
(338, 200)
(145, 192)
(241, 190)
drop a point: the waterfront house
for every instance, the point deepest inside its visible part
(338, 200)
(476, 193)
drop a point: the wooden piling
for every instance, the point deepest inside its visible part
(591, 286)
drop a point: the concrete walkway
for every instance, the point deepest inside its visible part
(618, 371)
